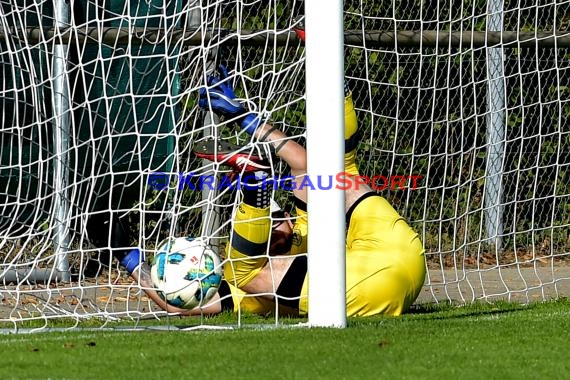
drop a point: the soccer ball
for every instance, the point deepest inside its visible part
(186, 272)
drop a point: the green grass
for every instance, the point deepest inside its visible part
(499, 341)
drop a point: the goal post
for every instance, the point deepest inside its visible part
(61, 136)
(325, 158)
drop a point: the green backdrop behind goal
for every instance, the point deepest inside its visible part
(121, 117)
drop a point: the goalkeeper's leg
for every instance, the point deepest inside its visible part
(247, 248)
(249, 267)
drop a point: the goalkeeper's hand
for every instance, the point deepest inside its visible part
(219, 96)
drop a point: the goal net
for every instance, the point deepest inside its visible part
(463, 112)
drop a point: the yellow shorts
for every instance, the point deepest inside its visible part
(385, 265)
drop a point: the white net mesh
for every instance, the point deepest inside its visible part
(484, 127)
(99, 111)
(98, 98)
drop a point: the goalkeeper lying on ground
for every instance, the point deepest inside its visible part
(385, 267)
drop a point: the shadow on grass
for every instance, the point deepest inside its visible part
(450, 310)
(444, 311)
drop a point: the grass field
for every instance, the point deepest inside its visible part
(497, 341)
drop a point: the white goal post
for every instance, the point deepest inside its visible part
(325, 128)
(464, 114)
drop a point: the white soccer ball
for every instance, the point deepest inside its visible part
(186, 272)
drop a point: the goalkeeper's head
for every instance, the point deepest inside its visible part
(281, 231)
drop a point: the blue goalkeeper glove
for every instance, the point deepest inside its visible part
(220, 97)
(133, 260)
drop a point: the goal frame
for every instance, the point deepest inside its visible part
(324, 54)
(324, 92)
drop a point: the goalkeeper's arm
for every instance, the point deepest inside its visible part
(290, 151)
(218, 95)
(139, 271)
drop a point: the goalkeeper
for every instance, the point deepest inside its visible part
(385, 267)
